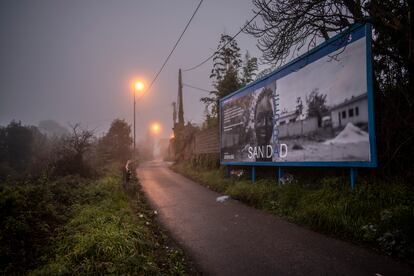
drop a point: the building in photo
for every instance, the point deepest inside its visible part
(353, 110)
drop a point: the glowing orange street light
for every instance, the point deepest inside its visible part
(155, 127)
(139, 86)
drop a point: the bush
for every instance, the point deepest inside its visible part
(256, 195)
(30, 213)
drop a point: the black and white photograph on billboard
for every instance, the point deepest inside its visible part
(317, 113)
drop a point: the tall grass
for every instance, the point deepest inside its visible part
(105, 237)
(74, 225)
(30, 213)
(377, 212)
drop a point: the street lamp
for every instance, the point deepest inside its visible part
(139, 86)
(155, 128)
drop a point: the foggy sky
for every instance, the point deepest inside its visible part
(73, 61)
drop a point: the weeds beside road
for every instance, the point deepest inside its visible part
(82, 226)
(380, 214)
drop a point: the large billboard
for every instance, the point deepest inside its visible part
(315, 111)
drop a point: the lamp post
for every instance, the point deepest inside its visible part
(138, 87)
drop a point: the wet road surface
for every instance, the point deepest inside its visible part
(232, 239)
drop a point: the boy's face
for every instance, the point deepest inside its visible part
(264, 121)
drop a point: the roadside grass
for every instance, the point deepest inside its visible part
(377, 212)
(74, 225)
(106, 236)
(31, 212)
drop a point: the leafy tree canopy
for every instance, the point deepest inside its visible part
(116, 144)
(229, 72)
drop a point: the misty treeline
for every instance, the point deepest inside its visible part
(41, 179)
(26, 152)
(285, 28)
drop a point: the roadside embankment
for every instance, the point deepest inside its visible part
(377, 213)
(84, 226)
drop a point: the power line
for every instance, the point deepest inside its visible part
(195, 87)
(173, 49)
(232, 38)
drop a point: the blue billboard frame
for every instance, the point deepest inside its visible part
(356, 31)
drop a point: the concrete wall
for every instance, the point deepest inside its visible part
(298, 128)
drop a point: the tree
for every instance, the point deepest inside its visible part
(287, 26)
(227, 85)
(226, 58)
(3, 145)
(299, 106)
(229, 72)
(79, 142)
(71, 152)
(226, 63)
(316, 105)
(249, 69)
(264, 72)
(18, 145)
(116, 144)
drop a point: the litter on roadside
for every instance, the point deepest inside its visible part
(221, 199)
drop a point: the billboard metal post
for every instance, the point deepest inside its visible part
(253, 174)
(279, 175)
(353, 175)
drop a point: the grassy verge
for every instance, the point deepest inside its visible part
(98, 228)
(380, 214)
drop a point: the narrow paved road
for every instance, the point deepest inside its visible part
(233, 239)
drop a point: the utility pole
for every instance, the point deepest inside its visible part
(180, 100)
(134, 128)
(174, 105)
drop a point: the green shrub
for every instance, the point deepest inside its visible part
(256, 195)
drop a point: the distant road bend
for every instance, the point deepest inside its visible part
(232, 239)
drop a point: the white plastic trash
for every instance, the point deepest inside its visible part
(221, 199)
